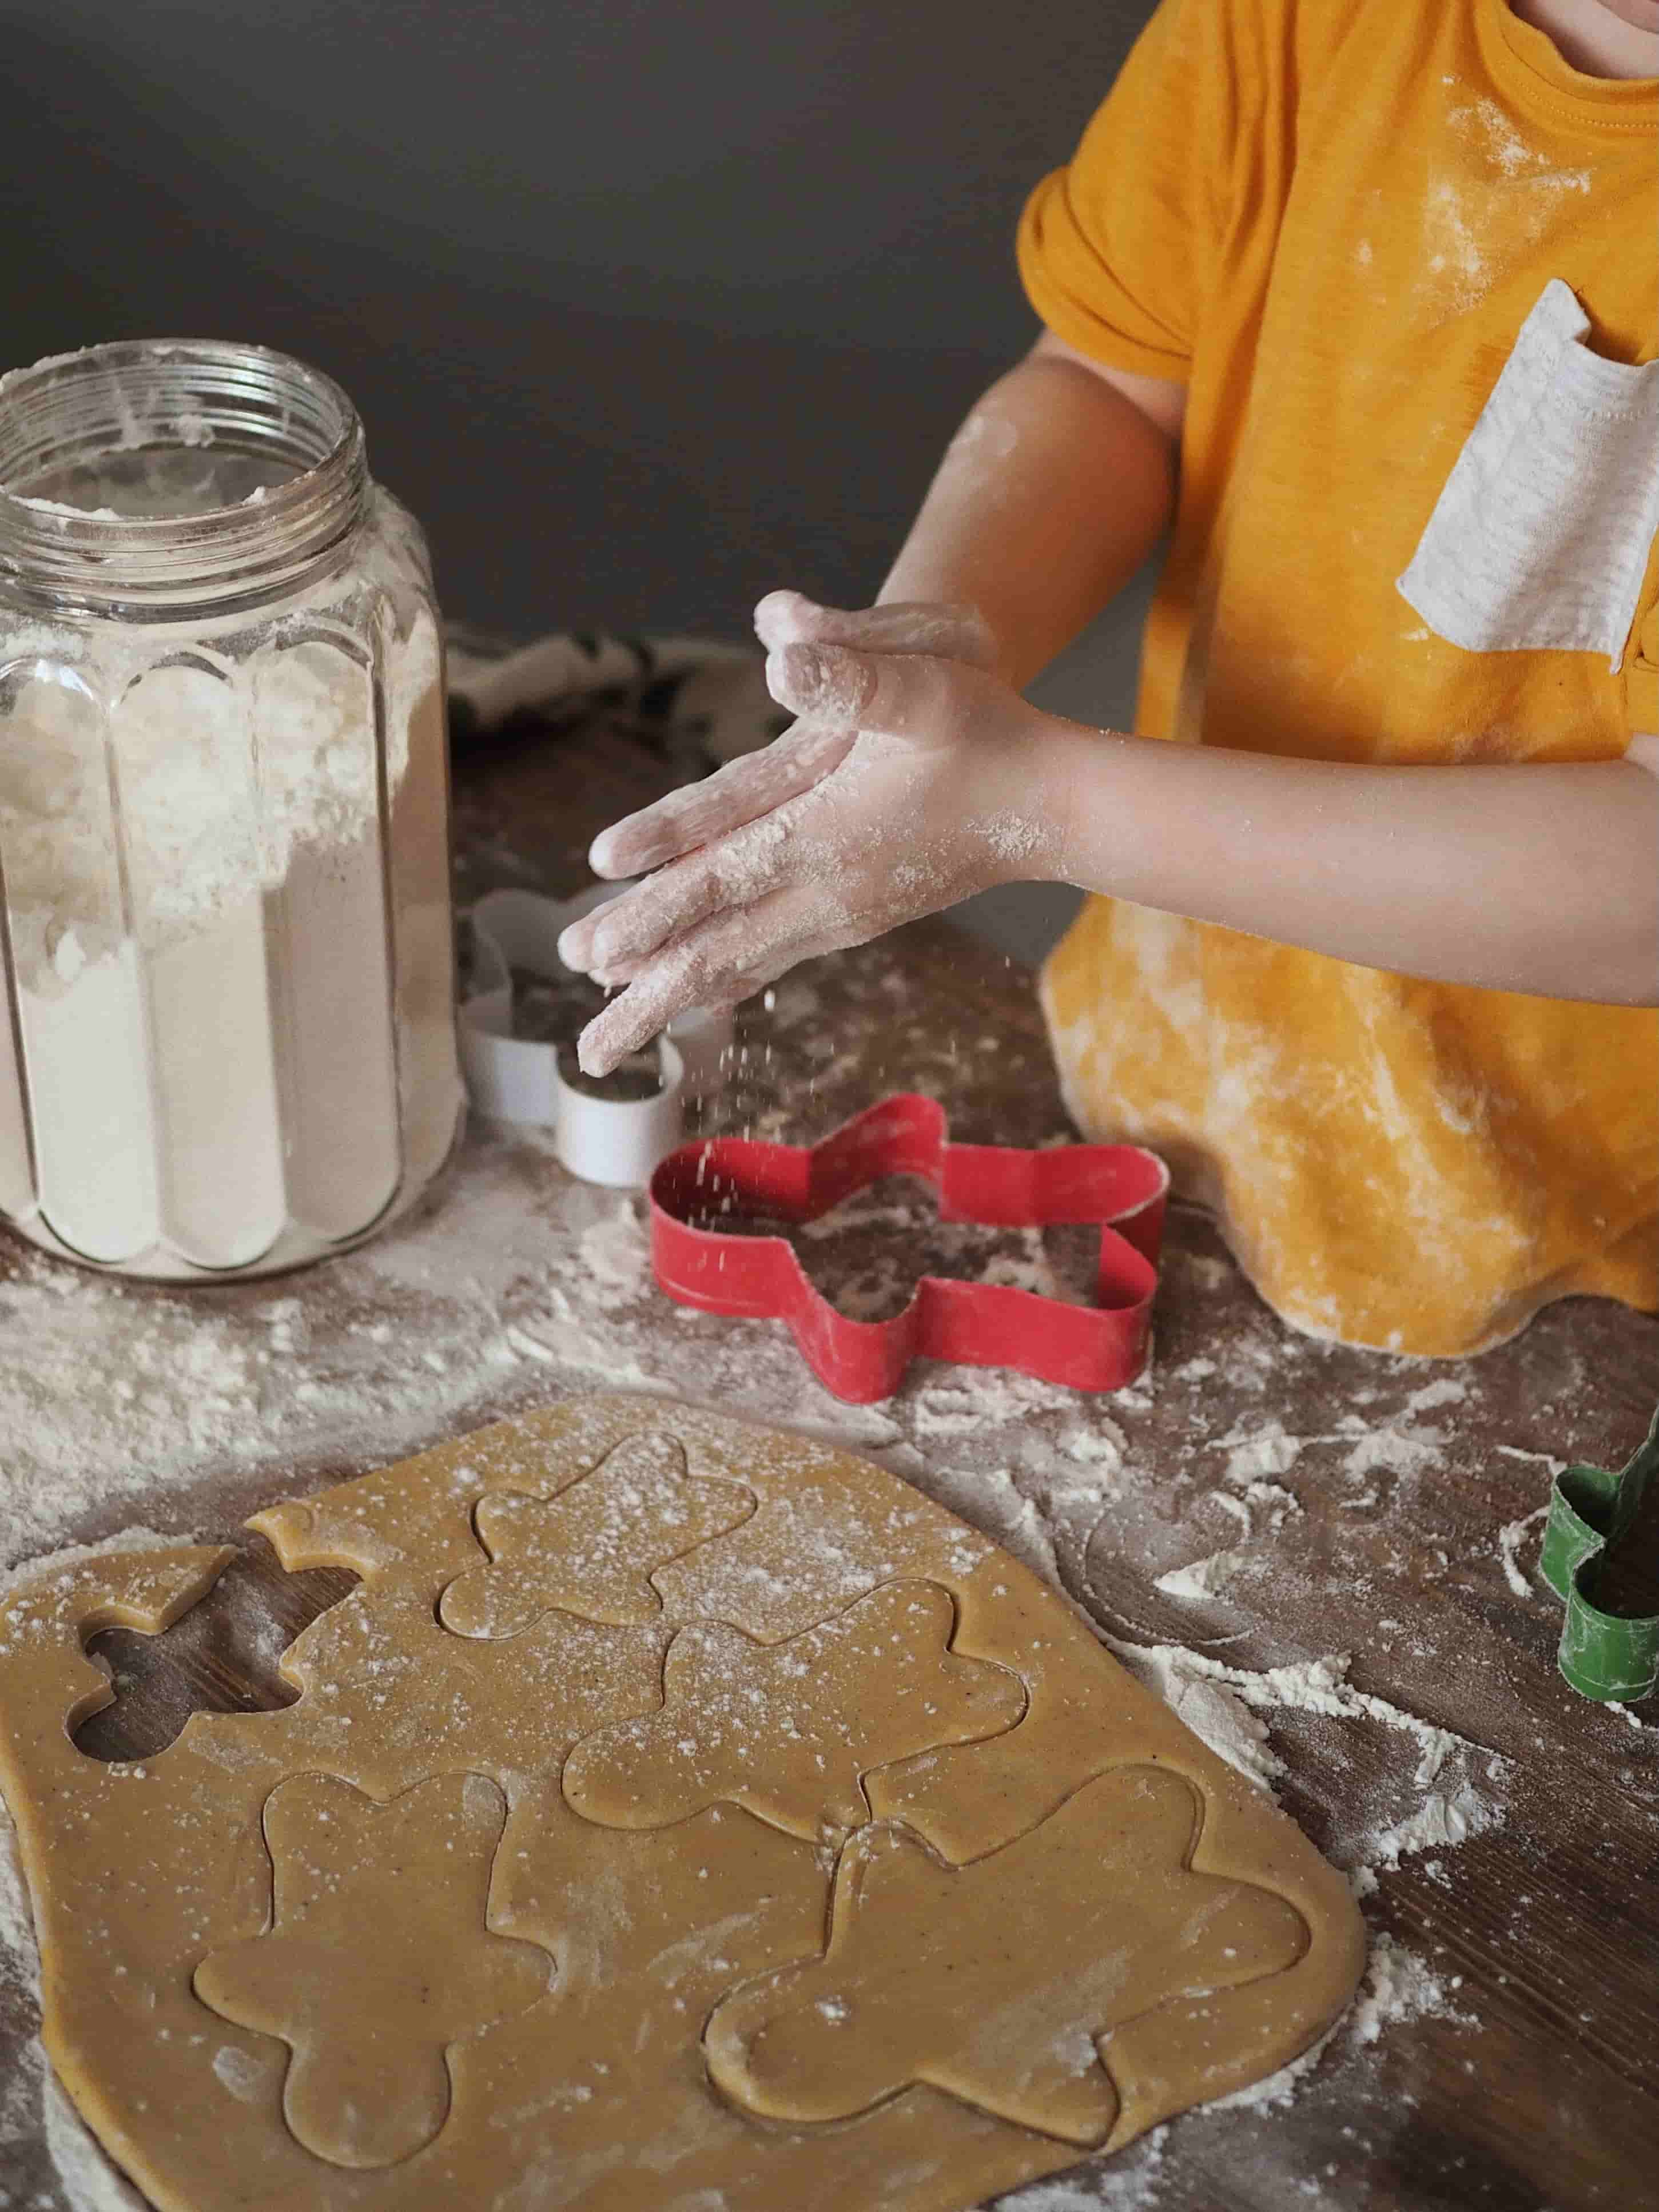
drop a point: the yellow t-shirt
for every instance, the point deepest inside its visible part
(1330, 220)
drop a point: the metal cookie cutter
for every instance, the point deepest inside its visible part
(1094, 1347)
(616, 1141)
(1608, 1656)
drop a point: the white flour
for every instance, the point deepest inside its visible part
(1205, 1576)
(89, 2182)
(1404, 1446)
(1440, 1822)
(1130, 2184)
(1219, 1703)
(1264, 1451)
(191, 843)
(1399, 1987)
(33, 2101)
(1214, 1712)
(1510, 1537)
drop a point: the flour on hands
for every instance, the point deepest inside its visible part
(913, 779)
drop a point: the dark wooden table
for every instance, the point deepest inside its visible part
(1380, 1487)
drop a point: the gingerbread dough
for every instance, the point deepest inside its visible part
(591, 1549)
(953, 1975)
(679, 1814)
(344, 1949)
(790, 1730)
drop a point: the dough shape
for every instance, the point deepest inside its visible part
(789, 1730)
(368, 1993)
(591, 1549)
(965, 1977)
(559, 2058)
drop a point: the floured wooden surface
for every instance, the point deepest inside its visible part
(1380, 1652)
(469, 1937)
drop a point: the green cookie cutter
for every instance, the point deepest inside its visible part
(1608, 1656)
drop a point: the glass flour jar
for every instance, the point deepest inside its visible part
(227, 998)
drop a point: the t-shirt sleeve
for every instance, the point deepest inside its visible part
(1114, 250)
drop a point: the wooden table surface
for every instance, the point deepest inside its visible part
(1382, 1485)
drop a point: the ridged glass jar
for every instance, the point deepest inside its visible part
(227, 997)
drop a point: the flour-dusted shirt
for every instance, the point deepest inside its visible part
(1333, 219)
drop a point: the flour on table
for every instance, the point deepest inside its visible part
(1211, 1710)
(1510, 1537)
(1264, 1451)
(1130, 2184)
(1404, 1446)
(1220, 1704)
(1399, 1986)
(1443, 1818)
(1204, 1578)
(89, 2182)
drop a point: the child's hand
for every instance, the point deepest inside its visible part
(911, 781)
(804, 755)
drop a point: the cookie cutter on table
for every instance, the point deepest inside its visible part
(1094, 1347)
(1607, 1656)
(616, 1141)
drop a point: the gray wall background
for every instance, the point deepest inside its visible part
(647, 308)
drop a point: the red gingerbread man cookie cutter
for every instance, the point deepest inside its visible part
(1100, 1346)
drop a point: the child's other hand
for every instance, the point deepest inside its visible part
(914, 778)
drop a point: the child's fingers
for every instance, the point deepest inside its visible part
(899, 695)
(734, 794)
(710, 966)
(751, 786)
(951, 630)
(731, 872)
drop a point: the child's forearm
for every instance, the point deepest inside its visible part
(1535, 878)
(1048, 500)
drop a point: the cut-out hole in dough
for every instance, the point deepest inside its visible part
(967, 1979)
(221, 1657)
(789, 1730)
(377, 1958)
(591, 1548)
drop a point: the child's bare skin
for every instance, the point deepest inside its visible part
(917, 773)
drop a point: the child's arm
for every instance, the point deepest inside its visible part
(1051, 494)
(1534, 878)
(1538, 877)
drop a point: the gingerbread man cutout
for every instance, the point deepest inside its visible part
(961, 1977)
(378, 1958)
(789, 1730)
(591, 1548)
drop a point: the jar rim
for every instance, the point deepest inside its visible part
(252, 402)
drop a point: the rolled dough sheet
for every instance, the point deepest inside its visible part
(678, 1815)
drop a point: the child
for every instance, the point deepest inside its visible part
(1378, 945)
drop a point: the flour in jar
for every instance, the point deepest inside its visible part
(223, 843)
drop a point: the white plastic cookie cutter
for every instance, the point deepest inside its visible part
(616, 1141)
